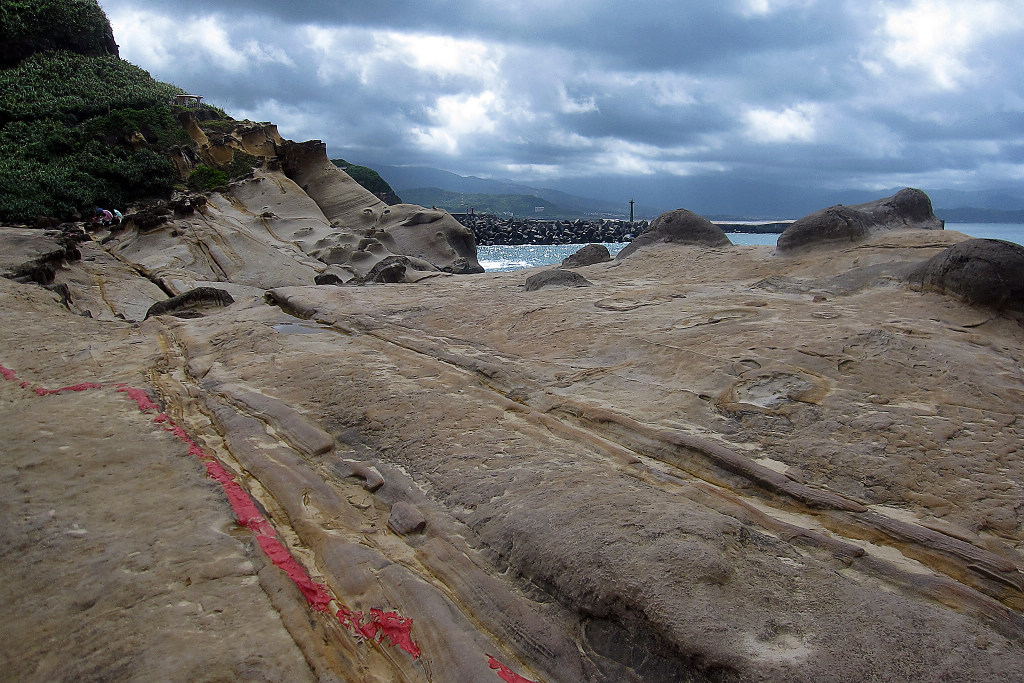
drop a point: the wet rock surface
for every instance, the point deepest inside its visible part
(710, 464)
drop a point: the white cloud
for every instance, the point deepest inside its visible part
(457, 118)
(793, 124)
(163, 42)
(937, 38)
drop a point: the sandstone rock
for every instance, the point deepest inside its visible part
(34, 256)
(192, 302)
(982, 272)
(663, 476)
(405, 519)
(587, 256)
(842, 225)
(681, 227)
(556, 278)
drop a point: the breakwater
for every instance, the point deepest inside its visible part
(494, 230)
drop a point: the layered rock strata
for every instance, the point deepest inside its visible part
(710, 464)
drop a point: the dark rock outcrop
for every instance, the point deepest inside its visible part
(29, 256)
(982, 272)
(587, 256)
(680, 226)
(189, 304)
(908, 209)
(556, 278)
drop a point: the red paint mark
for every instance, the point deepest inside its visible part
(84, 386)
(9, 375)
(390, 625)
(505, 673)
(140, 397)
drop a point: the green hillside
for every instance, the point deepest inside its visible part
(370, 180)
(78, 128)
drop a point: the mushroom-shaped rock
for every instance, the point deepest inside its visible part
(982, 272)
(556, 278)
(587, 256)
(908, 209)
(681, 227)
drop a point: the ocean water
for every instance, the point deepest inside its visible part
(503, 258)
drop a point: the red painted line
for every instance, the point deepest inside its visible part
(505, 673)
(379, 627)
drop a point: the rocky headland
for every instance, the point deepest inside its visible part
(711, 462)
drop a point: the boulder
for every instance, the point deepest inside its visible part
(982, 272)
(680, 227)
(190, 304)
(908, 209)
(587, 256)
(556, 278)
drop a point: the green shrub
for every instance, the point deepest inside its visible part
(207, 179)
(32, 26)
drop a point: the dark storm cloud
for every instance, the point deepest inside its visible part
(868, 92)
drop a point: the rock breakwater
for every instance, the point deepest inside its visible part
(492, 230)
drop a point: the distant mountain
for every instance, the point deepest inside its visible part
(974, 215)
(520, 205)
(420, 179)
(711, 196)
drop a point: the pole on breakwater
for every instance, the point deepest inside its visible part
(631, 212)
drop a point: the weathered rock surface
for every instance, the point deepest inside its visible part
(587, 256)
(908, 209)
(555, 278)
(983, 272)
(192, 302)
(710, 464)
(678, 227)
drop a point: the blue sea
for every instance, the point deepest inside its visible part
(501, 258)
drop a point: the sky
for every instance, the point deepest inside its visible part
(829, 94)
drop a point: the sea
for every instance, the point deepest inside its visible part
(503, 258)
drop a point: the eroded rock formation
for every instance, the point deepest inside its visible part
(679, 227)
(709, 465)
(837, 226)
(983, 272)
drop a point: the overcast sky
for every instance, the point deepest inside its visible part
(865, 94)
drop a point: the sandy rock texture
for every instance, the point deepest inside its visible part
(710, 464)
(909, 208)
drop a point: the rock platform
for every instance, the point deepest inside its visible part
(710, 464)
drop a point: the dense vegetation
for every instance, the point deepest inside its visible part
(79, 127)
(521, 205)
(370, 180)
(67, 135)
(32, 26)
